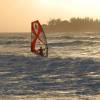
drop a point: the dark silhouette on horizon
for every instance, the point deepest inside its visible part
(73, 25)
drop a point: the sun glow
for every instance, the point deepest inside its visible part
(19, 13)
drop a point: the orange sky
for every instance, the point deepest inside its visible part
(16, 15)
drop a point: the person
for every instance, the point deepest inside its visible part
(40, 51)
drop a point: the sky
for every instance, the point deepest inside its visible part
(17, 15)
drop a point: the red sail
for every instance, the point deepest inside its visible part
(38, 38)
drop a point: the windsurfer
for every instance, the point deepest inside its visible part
(40, 51)
(38, 39)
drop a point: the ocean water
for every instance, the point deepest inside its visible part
(71, 69)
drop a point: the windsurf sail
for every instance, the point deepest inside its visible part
(38, 39)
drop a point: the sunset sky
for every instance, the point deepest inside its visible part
(16, 15)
